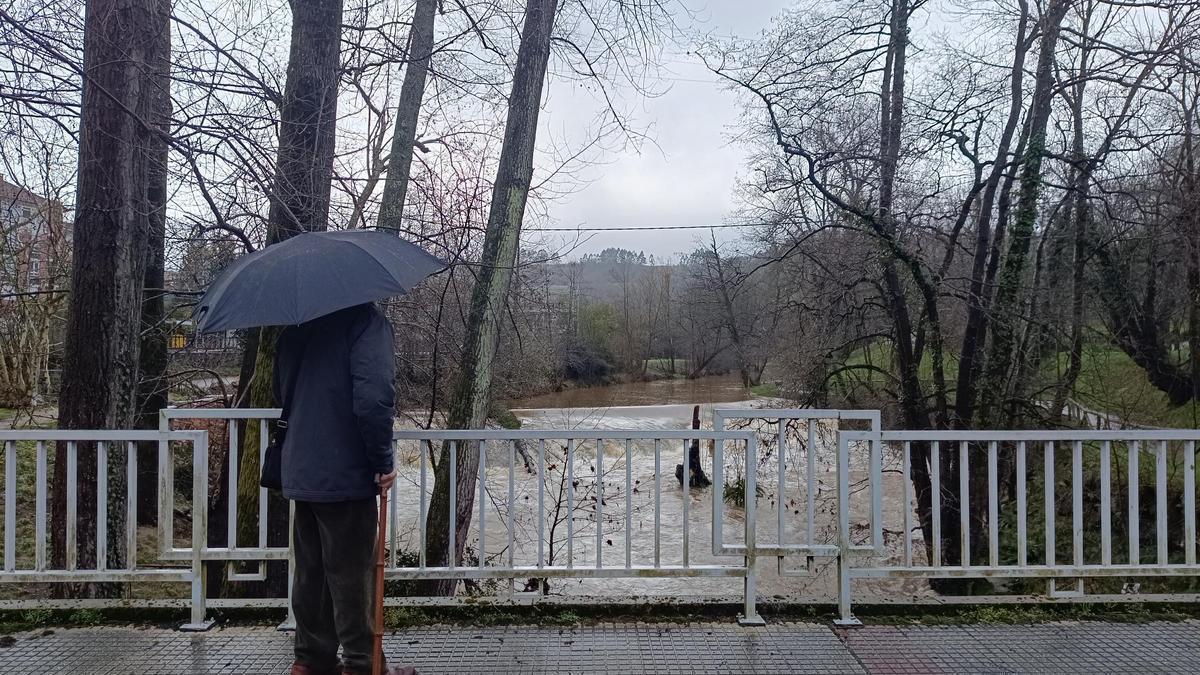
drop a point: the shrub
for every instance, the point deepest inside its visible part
(735, 492)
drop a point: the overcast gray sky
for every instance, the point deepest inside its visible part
(687, 176)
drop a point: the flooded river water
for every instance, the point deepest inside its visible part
(553, 511)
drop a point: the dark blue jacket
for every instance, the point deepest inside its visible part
(338, 374)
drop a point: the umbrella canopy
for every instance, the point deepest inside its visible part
(311, 275)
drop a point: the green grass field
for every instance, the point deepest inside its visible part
(663, 366)
(1108, 382)
(1113, 383)
(25, 503)
(766, 390)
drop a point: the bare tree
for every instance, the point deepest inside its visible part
(122, 133)
(471, 402)
(961, 205)
(299, 203)
(1000, 360)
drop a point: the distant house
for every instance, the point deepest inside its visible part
(35, 256)
(34, 242)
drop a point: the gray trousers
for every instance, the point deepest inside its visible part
(332, 588)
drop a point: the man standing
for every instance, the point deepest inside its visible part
(335, 375)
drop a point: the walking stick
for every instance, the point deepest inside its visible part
(377, 658)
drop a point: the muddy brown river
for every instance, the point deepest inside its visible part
(716, 389)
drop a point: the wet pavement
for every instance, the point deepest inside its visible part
(1075, 647)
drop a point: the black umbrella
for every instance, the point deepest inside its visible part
(311, 275)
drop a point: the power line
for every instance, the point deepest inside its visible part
(651, 228)
(641, 229)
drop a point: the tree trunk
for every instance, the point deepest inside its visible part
(122, 133)
(912, 402)
(1008, 300)
(250, 338)
(1000, 371)
(307, 122)
(975, 332)
(1035, 334)
(408, 111)
(1003, 211)
(1192, 236)
(473, 389)
(299, 203)
(153, 386)
(1080, 216)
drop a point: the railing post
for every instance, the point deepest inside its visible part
(749, 615)
(199, 620)
(845, 615)
(718, 481)
(166, 486)
(876, 486)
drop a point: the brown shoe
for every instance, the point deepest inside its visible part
(391, 670)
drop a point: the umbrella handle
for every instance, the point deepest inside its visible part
(376, 658)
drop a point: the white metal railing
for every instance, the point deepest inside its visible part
(605, 488)
(623, 485)
(26, 545)
(595, 506)
(229, 422)
(576, 445)
(787, 435)
(813, 435)
(1035, 461)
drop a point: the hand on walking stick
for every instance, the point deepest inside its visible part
(385, 480)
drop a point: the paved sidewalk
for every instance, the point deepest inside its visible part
(642, 648)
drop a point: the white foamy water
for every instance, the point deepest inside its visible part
(621, 529)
